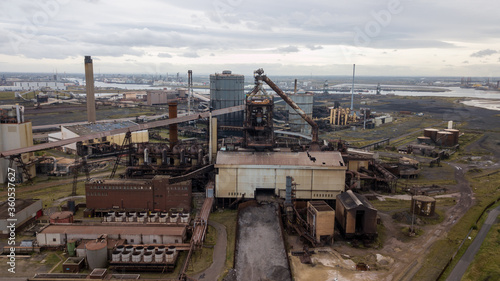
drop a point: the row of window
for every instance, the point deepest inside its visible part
(329, 195)
(235, 193)
(97, 194)
(120, 187)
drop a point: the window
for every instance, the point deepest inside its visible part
(154, 240)
(54, 240)
(131, 240)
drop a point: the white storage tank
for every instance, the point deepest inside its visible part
(120, 248)
(185, 218)
(136, 257)
(169, 256)
(139, 249)
(116, 256)
(163, 218)
(158, 256)
(126, 256)
(148, 257)
(173, 218)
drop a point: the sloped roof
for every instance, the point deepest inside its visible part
(352, 200)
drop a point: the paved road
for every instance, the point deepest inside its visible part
(468, 257)
(219, 256)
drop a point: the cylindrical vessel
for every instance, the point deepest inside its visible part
(120, 248)
(148, 257)
(297, 123)
(169, 256)
(116, 256)
(126, 256)
(136, 257)
(97, 254)
(431, 133)
(139, 249)
(159, 256)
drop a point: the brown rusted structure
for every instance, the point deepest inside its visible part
(423, 205)
(356, 217)
(259, 76)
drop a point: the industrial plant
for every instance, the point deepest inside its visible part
(143, 189)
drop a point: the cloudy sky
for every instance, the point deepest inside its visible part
(318, 37)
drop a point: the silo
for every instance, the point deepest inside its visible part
(297, 123)
(126, 256)
(455, 133)
(97, 254)
(159, 256)
(431, 133)
(116, 256)
(444, 138)
(423, 205)
(227, 90)
(148, 257)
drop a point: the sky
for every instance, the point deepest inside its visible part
(315, 37)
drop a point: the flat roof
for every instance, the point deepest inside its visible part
(119, 229)
(87, 129)
(321, 206)
(302, 159)
(21, 204)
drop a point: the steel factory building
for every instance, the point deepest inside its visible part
(58, 235)
(318, 175)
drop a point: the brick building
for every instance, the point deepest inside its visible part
(156, 194)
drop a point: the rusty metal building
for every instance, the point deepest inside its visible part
(321, 219)
(157, 194)
(318, 175)
(355, 215)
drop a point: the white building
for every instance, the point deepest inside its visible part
(14, 133)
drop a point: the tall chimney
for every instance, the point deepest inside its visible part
(89, 80)
(172, 113)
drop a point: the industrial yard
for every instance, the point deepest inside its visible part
(310, 185)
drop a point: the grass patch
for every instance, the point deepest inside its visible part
(485, 265)
(486, 190)
(201, 260)
(390, 204)
(229, 219)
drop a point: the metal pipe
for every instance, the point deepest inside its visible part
(293, 105)
(18, 114)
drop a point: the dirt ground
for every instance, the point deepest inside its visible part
(260, 251)
(401, 256)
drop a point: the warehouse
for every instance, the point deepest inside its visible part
(26, 210)
(59, 235)
(318, 175)
(355, 215)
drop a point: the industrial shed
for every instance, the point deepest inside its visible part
(318, 175)
(355, 215)
(58, 235)
(321, 218)
(26, 210)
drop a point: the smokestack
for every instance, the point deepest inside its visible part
(89, 80)
(172, 113)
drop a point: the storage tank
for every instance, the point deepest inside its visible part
(140, 218)
(129, 248)
(163, 218)
(227, 90)
(423, 205)
(97, 254)
(297, 123)
(173, 218)
(116, 256)
(152, 218)
(455, 133)
(185, 218)
(126, 256)
(61, 217)
(431, 133)
(130, 218)
(424, 140)
(139, 249)
(71, 248)
(444, 138)
(159, 256)
(148, 257)
(120, 248)
(161, 248)
(169, 256)
(171, 249)
(136, 257)
(150, 249)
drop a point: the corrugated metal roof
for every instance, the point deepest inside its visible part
(303, 159)
(120, 229)
(87, 129)
(352, 200)
(321, 206)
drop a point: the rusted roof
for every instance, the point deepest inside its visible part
(119, 229)
(61, 215)
(302, 159)
(352, 200)
(321, 206)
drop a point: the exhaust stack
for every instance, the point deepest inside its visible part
(89, 81)
(172, 113)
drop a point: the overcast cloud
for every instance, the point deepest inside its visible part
(390, 37)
